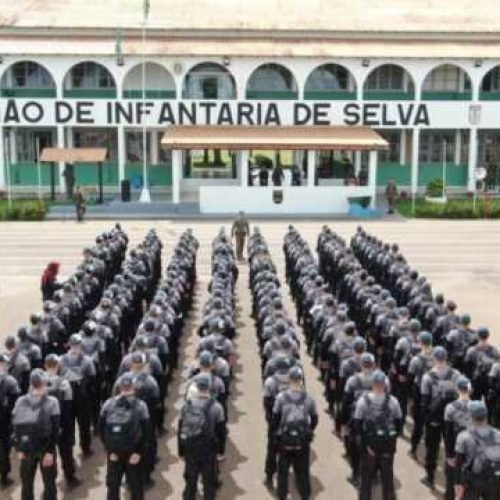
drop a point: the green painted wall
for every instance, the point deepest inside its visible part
(489, 96)
(158, 175)
(22, 93)
(388, 95)
(273, 94)
(87, 175)
(26, 174)
(434, 95)
(456, 175)
(90, 93)
(150, 94)
(326, 95)
(401, 174)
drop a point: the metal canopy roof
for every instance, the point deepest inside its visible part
(279, 137)
(74, 155)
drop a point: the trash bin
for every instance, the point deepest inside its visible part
(125, 190)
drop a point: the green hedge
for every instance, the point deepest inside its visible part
(452, 209)
(23, 210)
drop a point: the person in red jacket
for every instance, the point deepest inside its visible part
(49, 283)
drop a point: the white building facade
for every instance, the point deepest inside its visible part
(438, 106)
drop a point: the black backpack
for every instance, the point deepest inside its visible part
(32, 426)
(485, 360)
(486, 463)
(445, 393)
(378, 429)
(195, 432)
(295, 428)
(122, 426)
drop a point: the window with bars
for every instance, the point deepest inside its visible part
(488, 147)
(447, 78)
(209, 81)
(392, 155)
(134, 147)
(388, 77)
(31, 75)
(433, 144)
(328, 77)
(90, 75)
(93, 138)
(271, 77)
(28, 141)
(491, 82)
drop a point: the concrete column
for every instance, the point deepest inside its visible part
(122, 154)
(415, 146)
(154, 147)
(2, 158)
(60, 144)
(176, 175)
(357, 162)
(13, 149)
(311, 167)
(402, 147)
(458, 146)
(472, 159)
(372, 176)
(243, 157)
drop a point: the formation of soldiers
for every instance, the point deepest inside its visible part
(99, 357)
(202, 425)
(394, 358)
(291, 413)
(384, 344)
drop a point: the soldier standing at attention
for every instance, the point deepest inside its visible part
(240, 230)
(391, 193)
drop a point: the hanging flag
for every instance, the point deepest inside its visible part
(146, 8)
(119, 48)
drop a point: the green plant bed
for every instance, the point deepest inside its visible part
(462, 208)
(23, 210)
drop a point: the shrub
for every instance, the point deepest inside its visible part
(263, 161)
(462, 208)
(435, 188)
(31, 210)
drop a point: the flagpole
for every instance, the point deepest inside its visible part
(145, 196)
(39, 168)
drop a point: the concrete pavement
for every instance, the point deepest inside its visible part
(461, 259)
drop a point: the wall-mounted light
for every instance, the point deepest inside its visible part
(177, 68)
(226, 60)
(475, 114)
(478, 63)
(120, 60)
(365, 62)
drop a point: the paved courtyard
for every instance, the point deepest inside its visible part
(461, 259)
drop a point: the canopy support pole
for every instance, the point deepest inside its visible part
(472, 163)
(176, 175)
(52, 181)
(99, 172)
(414, 166)
(311, 167)
(244, 157)
(372, 176)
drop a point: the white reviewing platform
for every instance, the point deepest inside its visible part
(260, 200)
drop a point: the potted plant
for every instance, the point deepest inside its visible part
(434, 192)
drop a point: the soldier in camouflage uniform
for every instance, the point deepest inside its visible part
(240, 231)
